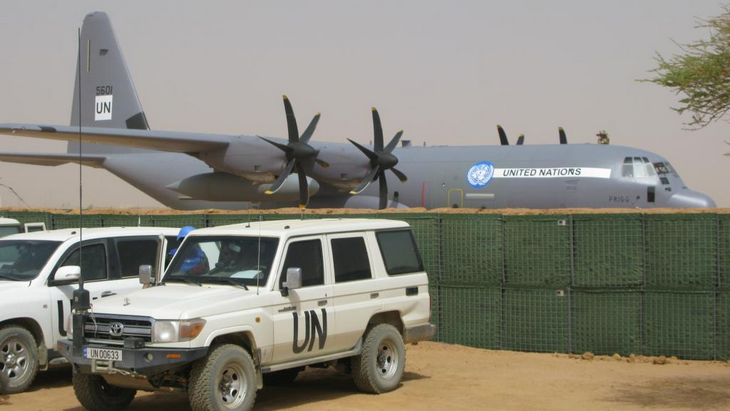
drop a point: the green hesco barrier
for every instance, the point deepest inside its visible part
(680, 324)
(681, 251)
(470, 316)
(23, 217)
(537, 250)
(61, 221)
(723, 325)
(215, 220)
(606, 322)
(535, 320)
(724, 251)
(114, 220)
(608, 250)
(175, 221)
(472, 249)
(435, 294)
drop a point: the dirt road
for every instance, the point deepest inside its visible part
(449, 377)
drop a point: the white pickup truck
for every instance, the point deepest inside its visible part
(246, 305)
(10, 226)
(35, 296)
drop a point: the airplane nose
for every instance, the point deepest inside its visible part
(691, 199)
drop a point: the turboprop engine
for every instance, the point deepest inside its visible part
(227, 187)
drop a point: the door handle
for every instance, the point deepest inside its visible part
(374, 295)
(107, 294)
(322, 303)
(289, 308)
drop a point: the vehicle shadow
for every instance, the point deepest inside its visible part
(310, 387)
(53, 378)
(679, 393)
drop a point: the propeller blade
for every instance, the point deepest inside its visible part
(372, 156)
(282, 177)
(366, 181)
(521, 140)
(310, 130)
(393, 142)
(303, 187)
(280, 146)
(378, 129)
(291, 121)
(402, 177)
(383, 191)
(563, 138)
(322, 163)
(502, 136)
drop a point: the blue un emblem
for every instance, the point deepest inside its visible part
(480, 174)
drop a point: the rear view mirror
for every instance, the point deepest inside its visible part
(69, 273)
(293, 280)
(145, 274)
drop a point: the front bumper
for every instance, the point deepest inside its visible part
(144, 361)
(418, 333)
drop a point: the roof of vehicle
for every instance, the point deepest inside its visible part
(92, 233)
(8, 221)
(291, 228)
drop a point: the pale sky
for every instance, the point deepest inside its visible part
(444, 71)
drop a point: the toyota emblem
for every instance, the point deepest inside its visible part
(116, 329)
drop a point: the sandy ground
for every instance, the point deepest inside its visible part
(451, 377)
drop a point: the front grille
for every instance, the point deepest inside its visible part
(98, 327)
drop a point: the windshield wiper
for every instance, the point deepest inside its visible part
(187, 280)
(11, 278)
(228, 280)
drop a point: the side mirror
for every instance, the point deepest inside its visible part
(145, 275)
(293, 280)
(69, 273)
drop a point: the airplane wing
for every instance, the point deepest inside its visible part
(154, 140)
(55, 159)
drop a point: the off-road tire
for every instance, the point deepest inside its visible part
(95, 394)
(209, 373)
(20, 373)
(282, 377)
(380, 365)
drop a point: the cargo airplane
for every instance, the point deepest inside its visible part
(194, 170)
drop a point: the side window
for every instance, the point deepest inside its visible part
(399, 251)
(351, 259)
(136, 252)
(93, 264)
(306, 255)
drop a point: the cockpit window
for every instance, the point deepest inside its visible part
(638, 167)
(663, 168)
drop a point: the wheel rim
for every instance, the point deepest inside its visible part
(14, 362)
(232, 386)
(387, 360)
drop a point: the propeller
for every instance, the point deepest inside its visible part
(380, 160)
(563, 138)
(502, 136)
(298, 154)
(521, 140)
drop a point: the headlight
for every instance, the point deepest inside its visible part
(176, 331)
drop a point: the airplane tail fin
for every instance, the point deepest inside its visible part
(108, 96)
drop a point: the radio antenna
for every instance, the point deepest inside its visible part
(81, 181)
(81, 302)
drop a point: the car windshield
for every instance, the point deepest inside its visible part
(225, 260)
(22, 260)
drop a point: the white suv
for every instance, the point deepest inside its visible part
(256, 303)
(35, 292)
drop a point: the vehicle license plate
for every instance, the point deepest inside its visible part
(102, 354)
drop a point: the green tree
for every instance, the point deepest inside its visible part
(701, 73)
